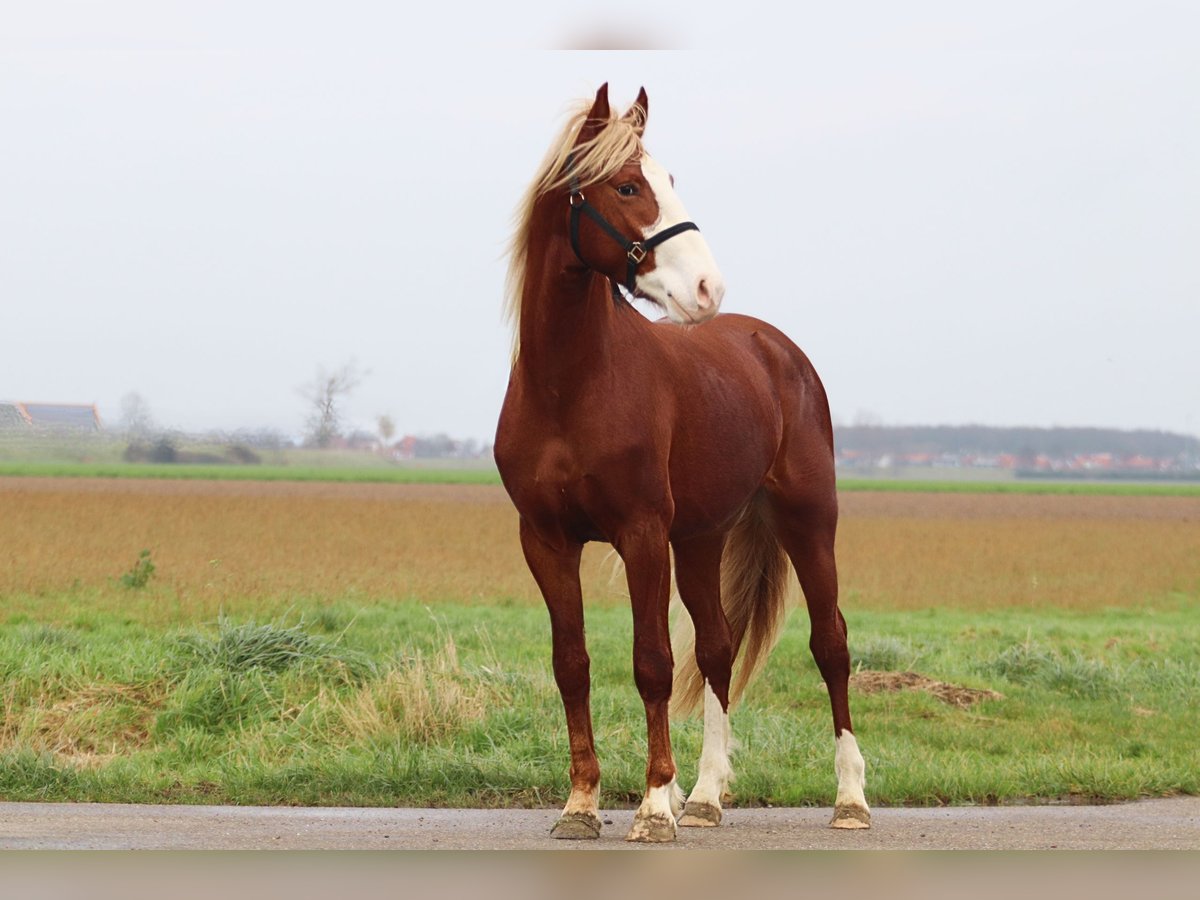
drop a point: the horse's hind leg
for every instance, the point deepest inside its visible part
(806, 530)
(698, 578)
(556, 571)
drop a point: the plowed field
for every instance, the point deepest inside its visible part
(246, 545)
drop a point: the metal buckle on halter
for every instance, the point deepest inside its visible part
(637, 253)
(574, 195)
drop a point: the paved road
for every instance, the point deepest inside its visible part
(1152, 824)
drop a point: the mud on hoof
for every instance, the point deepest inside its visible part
(851, 817)
(655, 829)
(576, 826)
(700, 815)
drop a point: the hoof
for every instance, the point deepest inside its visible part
(576, 827)
(851, 817)
(700, 815)
(656, 829)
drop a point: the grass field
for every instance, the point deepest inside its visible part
(382, 644)
(452, 705)
(377, 474)
(338, 469)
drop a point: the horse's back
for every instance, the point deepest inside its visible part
(739, 341)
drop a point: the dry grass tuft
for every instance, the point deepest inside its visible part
(425, 700)
(86, 728)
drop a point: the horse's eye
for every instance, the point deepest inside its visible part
(627, 190)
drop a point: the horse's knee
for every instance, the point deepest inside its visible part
(572, 674)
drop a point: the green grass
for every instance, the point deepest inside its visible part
(335, 473)
(451, 705)
(486, 474)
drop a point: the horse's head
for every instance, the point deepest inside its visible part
(628, 223)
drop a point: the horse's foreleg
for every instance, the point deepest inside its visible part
(647, 565)
(556, 570)
(698, 578)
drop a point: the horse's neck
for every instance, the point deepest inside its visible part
(567, 322)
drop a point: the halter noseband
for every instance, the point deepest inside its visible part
(635, 251)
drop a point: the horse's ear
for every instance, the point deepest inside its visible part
(597, 118)
(636, 116)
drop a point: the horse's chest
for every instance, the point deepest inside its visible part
(579, 488)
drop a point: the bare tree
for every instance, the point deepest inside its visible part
(387, 428)
(326, 395)
(137, 423)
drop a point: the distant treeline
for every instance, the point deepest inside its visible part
(990, 441)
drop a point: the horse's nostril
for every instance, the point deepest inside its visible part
(703, 298)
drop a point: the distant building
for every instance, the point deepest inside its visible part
(405, 448)
(13, 418)
(57, 418)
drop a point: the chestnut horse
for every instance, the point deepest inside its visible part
(707, 437)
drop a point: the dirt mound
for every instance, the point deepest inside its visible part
(878, 682)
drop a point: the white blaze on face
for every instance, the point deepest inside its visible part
(685, 280)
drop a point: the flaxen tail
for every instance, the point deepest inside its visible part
(755, 587)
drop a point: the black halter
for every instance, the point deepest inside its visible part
(635, 251)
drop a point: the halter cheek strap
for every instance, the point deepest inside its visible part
(635, 251)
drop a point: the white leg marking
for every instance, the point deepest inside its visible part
(850, 807)
(655, 819)
(582, 802)
(715, 770)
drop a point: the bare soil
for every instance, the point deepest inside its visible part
(854, 504)
(887, 682)
(220, 544)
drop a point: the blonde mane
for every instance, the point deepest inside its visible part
(594, 160)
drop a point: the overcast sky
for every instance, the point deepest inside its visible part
(962, 215)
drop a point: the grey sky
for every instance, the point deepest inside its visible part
(961, 215)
